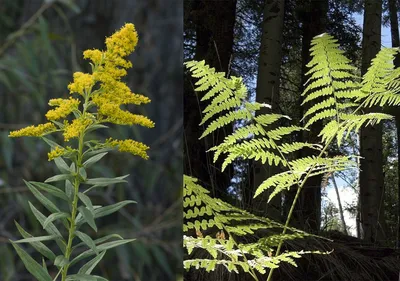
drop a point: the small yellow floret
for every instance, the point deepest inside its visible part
(131, 146)
(82, 82)
(57, 152)
(96, 56)
(65, 107)
(77, 127)
(33, 131)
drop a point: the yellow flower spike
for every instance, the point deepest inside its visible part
(64, 108)
(82, 82)
(116, 115)
(131, 146)
(33, 131)
(77, 127)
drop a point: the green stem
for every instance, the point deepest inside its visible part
(74, 208)
(278, 250)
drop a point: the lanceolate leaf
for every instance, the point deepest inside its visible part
(100, 182)
(51, 229)
(31, 265)
(54, 217)
(100, 248)
(88, 216)
(94, 159)
(60, 261)
(107, 210)
(61, 165)
(50, 189)
(87, 240)
(36, 239)
(59, 178)
(85, 277)
(90, 265)
(86, 200)
(46, 202)
(38, 246)
(100, 240)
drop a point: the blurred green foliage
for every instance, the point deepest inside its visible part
(36, 66)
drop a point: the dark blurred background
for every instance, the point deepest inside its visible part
(41, 45)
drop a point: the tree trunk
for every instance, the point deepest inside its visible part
(371, 163)
(214, 23)
(394, 29)
(308, 209)
(268, 92)
(340, 204)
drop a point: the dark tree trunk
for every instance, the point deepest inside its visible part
(371, 163)
(307, 215)
(214, 24)
(394, 29)
(268, 83)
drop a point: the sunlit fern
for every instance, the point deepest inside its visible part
(218, 225)
(338, 98)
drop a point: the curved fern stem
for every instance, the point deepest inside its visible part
(294, 203)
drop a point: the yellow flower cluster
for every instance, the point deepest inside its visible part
(64, 107)
(96, 56)
(33, 131)
(82, 82)
(57, 152)
(131, 146)
(77, 127)
(110, 67)
(114, 114)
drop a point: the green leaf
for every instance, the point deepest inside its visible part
(90, 265)
(86, 200)
(31, 265)
(62, 165)
(69, 190)
(82, 173)
(94, 159)
(100, 248)
(51, 143)
(51, 229)
(87, 240)
(36, 239)
(61, 261)
(46, 202)
(89, 153)
(100, 182)
(85, 277)
(53, 217)
(88, 216)
(59, 178)
(38, 246)
(50, 189)
(106, 210)
(100, 240)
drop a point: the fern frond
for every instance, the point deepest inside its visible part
(380, 84)
(213, 216)
(332, 86)
(311, 166)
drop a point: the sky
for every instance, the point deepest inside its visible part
(347, 195)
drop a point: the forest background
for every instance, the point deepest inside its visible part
(41, 45)
(267, 43)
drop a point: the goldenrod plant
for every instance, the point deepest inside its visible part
(97, 99)
(338, 97)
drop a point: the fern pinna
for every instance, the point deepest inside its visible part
(339, 96)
